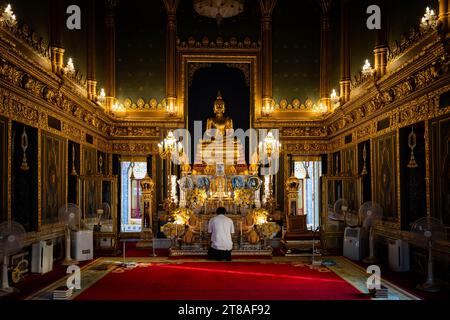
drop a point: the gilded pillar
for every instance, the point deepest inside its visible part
(325, 54)
(91, 51)
(381, 44)
(110, 86)
(171, 51)
(345, 80)
(267, 7)
(9, 170)
(428, 166)
(444, 16)
(56, 43)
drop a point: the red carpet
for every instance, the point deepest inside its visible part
(221, 281)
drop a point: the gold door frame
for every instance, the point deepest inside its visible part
(81, 197)
(325, 193)
(249, 56)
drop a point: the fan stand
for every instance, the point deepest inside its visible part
(68, 261)
(371, 259)
(6, 289)
(429, 285)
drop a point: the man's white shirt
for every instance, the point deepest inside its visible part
(221, 228)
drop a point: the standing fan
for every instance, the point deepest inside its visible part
(12, 235)
(369, 213)
(70, 216)
(430, 230)
(340, 209)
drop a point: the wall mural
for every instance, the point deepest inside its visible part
(53, 176)
(385, 175)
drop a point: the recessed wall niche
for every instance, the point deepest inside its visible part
(24, 178)
(412, 174)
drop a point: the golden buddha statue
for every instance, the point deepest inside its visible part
(220, 146)
(220, 123)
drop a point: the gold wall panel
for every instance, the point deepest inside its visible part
(53, 155)
(385, 175)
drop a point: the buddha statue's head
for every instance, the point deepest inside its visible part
(219, 106)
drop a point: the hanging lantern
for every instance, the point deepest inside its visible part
(24, 166)
(412, 143)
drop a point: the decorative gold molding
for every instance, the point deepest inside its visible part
(296, 105)
(308, 147)
(219, 43)
(407, 41)
(140, 104)
(135, 131)
(193, 68)
(307, 131)
(135, 148)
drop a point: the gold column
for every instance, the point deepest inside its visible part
(325, 54)
(428, 166)
(110, 87)
(39, 179)
(267, 7)
(171, 51)
(398, 180)
(444, 15)
(345, 81)
(56, 43)
(91, 52)
(9, 171)
(381, 44)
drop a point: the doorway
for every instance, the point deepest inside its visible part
(131, 206)
(309, 173)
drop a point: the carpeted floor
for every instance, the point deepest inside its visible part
(221, 281)
(158, 278)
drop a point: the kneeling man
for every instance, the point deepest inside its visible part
(221, 229)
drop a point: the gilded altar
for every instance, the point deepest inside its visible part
(220, 176)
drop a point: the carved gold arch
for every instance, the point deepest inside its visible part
(249, 57)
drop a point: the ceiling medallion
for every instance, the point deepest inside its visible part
(219, 9)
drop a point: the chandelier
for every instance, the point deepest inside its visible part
(70, 67)
(170, 146)
(8, 17)
(429, 20)
(335, 99)
(270, 146)
(219, 9)
(102, 96)
(367, 69)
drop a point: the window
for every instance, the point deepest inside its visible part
(309, 173)
(131, 207)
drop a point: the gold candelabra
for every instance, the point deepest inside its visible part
(270, 147)
(168, 148)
